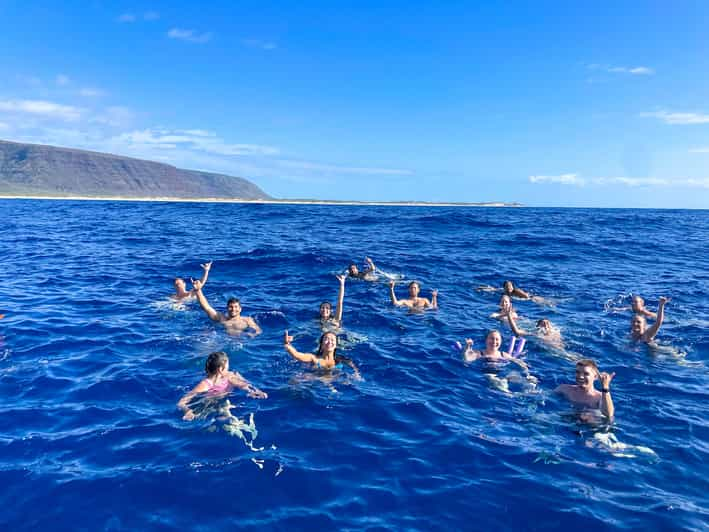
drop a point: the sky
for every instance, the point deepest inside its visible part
(580, 104)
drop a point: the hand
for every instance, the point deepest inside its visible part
(468, 343)
(189, 415)
(664, 300)
(392, 283)
(368, 260)
(287, 339)
(258, 394)
(341, 278)
(606, 379)
(206, 266)
(196, 284)
(434, 293)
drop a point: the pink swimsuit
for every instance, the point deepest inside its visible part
(219, 387)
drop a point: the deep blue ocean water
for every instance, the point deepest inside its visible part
(94, 357)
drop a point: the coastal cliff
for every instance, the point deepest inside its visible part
(37, 170)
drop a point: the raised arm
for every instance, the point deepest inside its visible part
(470, 354)
(652, 331)
(606, 405)
(392, 295)
(340, 298)
(206, 267)
(240, 382)
(292, 351)
(434, 299)
(183, 403)
(371, 268)
(206, 307)
(513, 325)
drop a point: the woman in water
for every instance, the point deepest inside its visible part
(506, 309)
(327, 320)
(219, 380)
(414, 302)
(326, 358)
(638, 325)
(180, 285)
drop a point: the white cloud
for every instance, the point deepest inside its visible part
(305, 165)
(635, 71)
(127, 17)
(151, 15)
(564, 179)
(699, 150)
(42, 108)
(195, 140)
(263, 45)
(62, 80)
(576, 180)
(189, 35)
(90, 92)
(678, 118)
(115, 116)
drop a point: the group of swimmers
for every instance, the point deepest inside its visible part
(219, 379)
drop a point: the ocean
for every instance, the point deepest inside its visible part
(94, 357)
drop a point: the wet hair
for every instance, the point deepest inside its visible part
(412, 283)
(232, 300)
(326, 304)
(505, 284)
(543, 322)
(215, 362)
(493, 331)
(587, 363)
(322, 337)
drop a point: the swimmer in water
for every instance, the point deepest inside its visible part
(637, 305)
(326, 357)
(233, 320)
(511, 290)
(219, 380)
(492, 352)
(506, 309)
(545, 331)
(326, 318)
(414, 302)
(181, 293)
(583, 392)
(368, 274)
(639, 330)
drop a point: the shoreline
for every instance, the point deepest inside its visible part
(167, 199)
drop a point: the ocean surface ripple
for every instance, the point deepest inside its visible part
(94, 357)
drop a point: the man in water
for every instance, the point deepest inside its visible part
(414, 302)
(181, 293)
(367, 274)
(638, 325)
(583, 392)
(232, 320)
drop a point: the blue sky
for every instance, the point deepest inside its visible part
(546, 103)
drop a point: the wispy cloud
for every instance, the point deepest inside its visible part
(564, 179)
(263, 45)
(62, 80)
(699, 150)
(189, 35)
(42, 108)
(305, 165)
(127, 18)
(635, 71)
(151, 15)
(576, 180)
(114, 116)
(191, 139)
(678, 118)
(90, 92)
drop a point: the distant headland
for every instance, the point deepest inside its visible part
(35, 171)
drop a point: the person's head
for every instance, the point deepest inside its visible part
(508, 287)
(638, 324)
(328, 343)
(505, 303)
(325, 310)
(493, 340)
(638, 303)
(353, 270)
(414, 288)
(179, 285)
(586, 372)
(544, 325)
(233, 307)
(217, 363)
